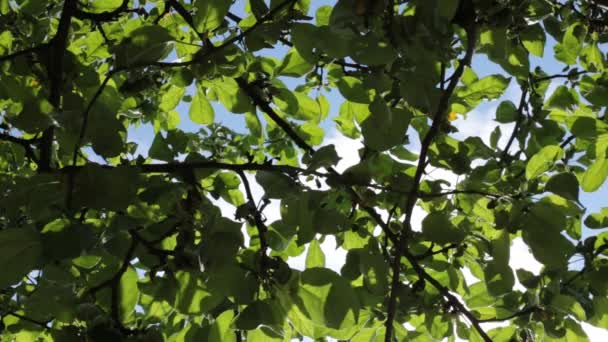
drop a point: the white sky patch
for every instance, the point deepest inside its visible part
(521, 257)
(347, 149)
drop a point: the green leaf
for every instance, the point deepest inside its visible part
(191, 296)
(128, 294)
(98, 6)
(20, 252)
(569, 305)
(600, 312)
(488, 88)
(275, 185)
(4, 7)
(385, 127)
(568, 50)
(495, 137)
(327, 299)
(263, 312)
(597, 220)
(565, 185)
(144, 45)
(253, 123)
(353, 90)
(323, 14)
(543, 227)
(209, 14)
(533, 38)
(308, 109)
(499, 278)
(220, 330)
(305, 41)
(171, 98)
(595, 175)
(294, 65)
(345, 121)
(315, 256)
(63, 240)
(592, 57)
(97, 187)
(231, 96)
(326, 156)
(543, 161)
(201, 111)
(160, 149)
(563, 98)
(506, 112)
(438, 228)
(312, 134)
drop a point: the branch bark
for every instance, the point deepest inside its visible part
(401, 243)
(54, 64)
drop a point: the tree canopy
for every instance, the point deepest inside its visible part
(107, 237)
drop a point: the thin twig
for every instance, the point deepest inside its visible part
(430, 251)
(255, 218)
(265, 106)
(520, 118)
(568, 75)
(523, 312)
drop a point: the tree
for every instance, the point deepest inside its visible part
(103, 238)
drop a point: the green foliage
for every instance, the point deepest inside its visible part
(162, 163)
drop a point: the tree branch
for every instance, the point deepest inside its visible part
(445, 292)
(159, 252)
(255, 218)
(114, 284)
(54, 64)
(568, 75)
(456, 192)
(567, 141)
(523, 312)
(213, 49)
(430, 251)
(181, 10)
(27, 51)
(265, 106)
(401, 245)
(85, 115)
(26, 144)
(81, 134)
(115, 279)
(520, 118)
